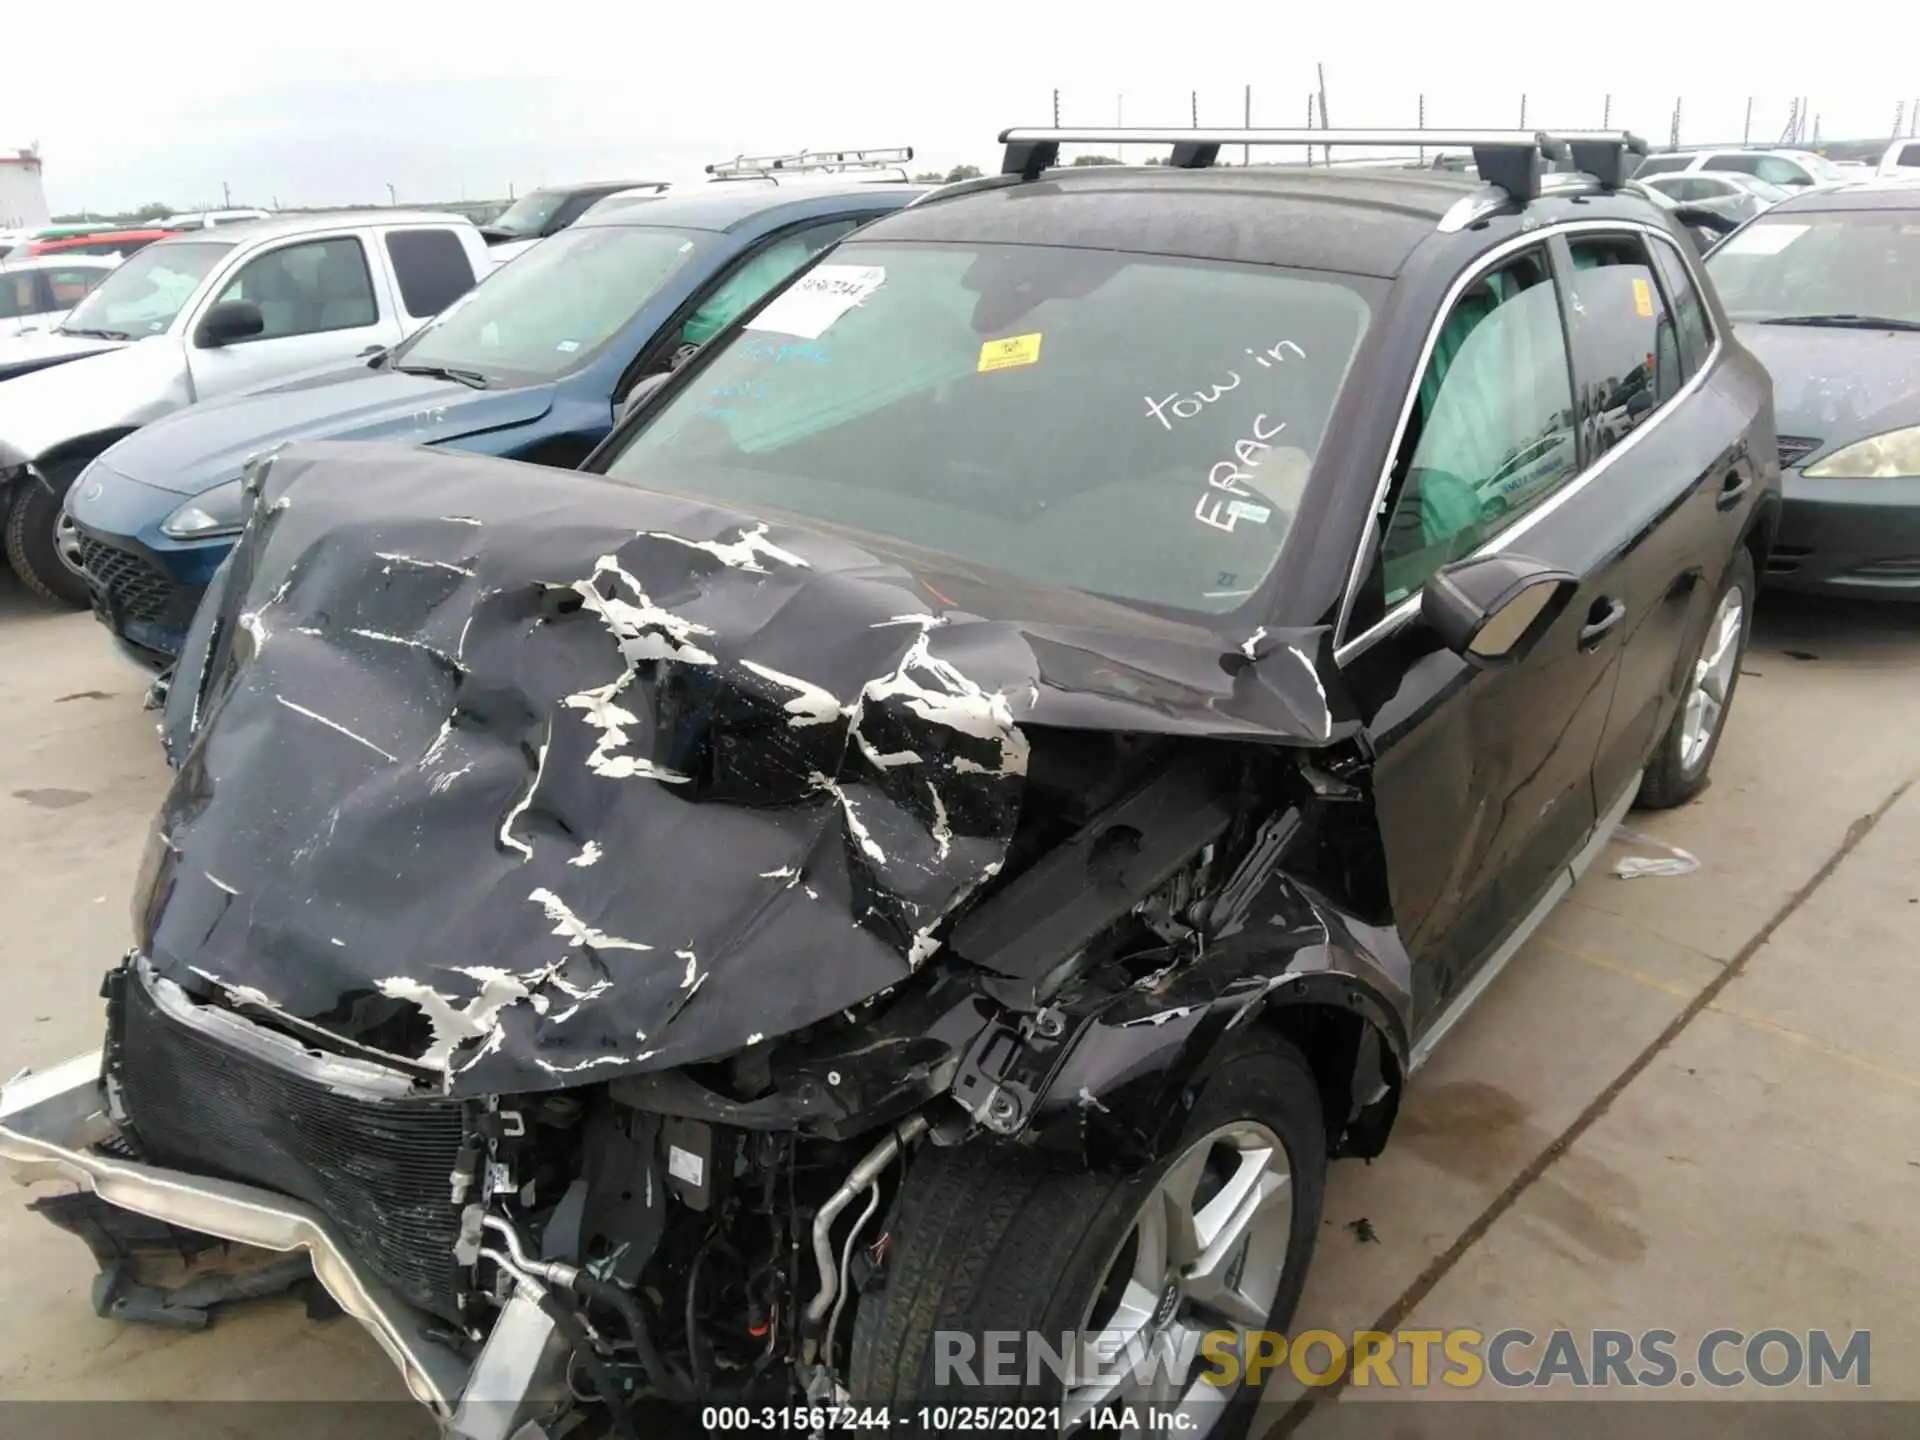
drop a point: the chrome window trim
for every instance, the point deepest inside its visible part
(1346, 649)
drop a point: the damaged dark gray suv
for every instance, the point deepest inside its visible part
(1007, 765)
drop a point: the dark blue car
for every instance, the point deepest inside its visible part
(531, 365)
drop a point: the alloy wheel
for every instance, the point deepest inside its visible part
(1205, 1253)
(66, 544)
(1713, 675)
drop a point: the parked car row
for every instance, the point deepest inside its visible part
(109, 239)
(37, 294)
(1005, 724)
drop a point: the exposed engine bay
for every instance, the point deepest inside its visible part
(593, 904)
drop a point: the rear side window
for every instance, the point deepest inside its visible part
(1663, 164)
(1744, 164)
(1909, 155)
(1628, 353)
(1694, 330)
(432, 268)
(1491, 432)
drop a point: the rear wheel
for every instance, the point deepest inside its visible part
(1678, 770)
(1217, 1235)
(42, 545)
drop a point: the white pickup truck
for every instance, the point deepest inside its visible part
(208, 314)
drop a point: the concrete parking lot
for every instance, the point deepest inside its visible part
(1691, 1102)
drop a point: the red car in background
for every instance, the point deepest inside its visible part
(105, 242)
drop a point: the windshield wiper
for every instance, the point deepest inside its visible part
(97, 334)
(1847, 322)
(471, 378)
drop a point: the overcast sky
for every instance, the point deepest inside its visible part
(331, 104)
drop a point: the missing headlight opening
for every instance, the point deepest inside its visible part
(633, 969)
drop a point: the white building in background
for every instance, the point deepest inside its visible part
(23, 202)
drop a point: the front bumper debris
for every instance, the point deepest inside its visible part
(52, 1120)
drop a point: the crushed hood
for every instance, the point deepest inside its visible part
(531, 778)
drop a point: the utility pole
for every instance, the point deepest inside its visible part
(1309, 124)
(1523, 109)
(393, 196)
(1056, 108)
(1673, 137)
(1746, 129)
(226, 196)
(1195, 94)
(1421, 124)
(1606, 113)
(1246, 151)
(1320, 73)
(1899, 119)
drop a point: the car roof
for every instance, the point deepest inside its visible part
(276, 226)
(1353, 220)
(1882, 193)
(723, 205)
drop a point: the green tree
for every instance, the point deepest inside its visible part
(963, 172)
(1095, 160)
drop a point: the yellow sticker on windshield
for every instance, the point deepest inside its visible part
(1007, 353)
(1643, 299)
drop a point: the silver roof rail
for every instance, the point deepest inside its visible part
(1514, 160)
(812, 162)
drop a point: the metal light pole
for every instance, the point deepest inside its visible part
(1421, 123)
(1246, 151)
(1056, 109)
(1320, 74)
(1606, 113)
(1523, 109)
(1746, 130)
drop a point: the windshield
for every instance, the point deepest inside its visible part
(554, 308)
(528, 215)
(147, 291)
(1135, 426)
(1822, 263)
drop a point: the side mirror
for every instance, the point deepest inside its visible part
(638, 396)
(228, 321)
(1489, 610)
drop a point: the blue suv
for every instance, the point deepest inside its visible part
(533, 365)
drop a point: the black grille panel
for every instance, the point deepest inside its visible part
(139, 590)
(1795, 448)
(378, 1170)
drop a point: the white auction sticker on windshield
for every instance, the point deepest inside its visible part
(812, 303)
(1764, 239)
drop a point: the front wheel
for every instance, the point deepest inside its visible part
(1678, 769)
(42, 545)
(997, 1264)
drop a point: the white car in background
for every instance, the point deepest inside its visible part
(1795, 169)
(36, 294)
(1901, 162)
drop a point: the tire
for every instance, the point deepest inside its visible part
(994, 1242)
(33, 546)
(1678, 768)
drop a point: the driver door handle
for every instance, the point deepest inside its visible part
(1601, 618)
